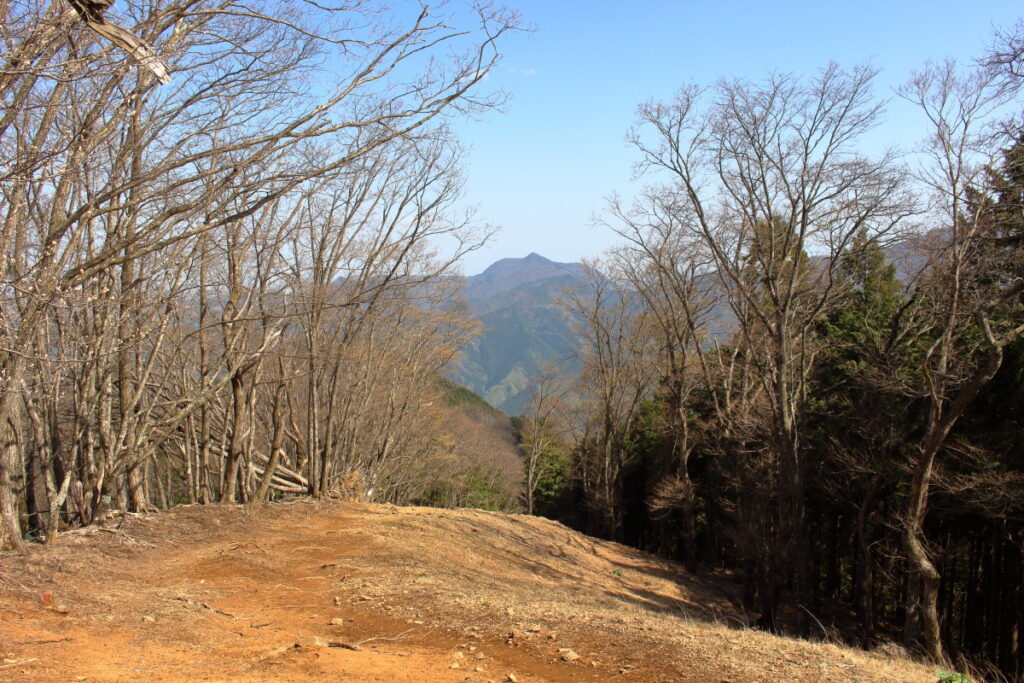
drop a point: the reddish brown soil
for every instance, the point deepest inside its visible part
(358, 592)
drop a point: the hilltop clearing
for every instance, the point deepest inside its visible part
(359, 592)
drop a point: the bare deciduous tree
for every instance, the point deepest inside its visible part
(617, 374)
(118, 193)
(964, 295)
(769, 177)
(670, 272)
(541, 430)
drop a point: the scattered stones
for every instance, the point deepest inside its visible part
(511, 678)
(337, 621)
(453, 665)
(148, 619)
(568, 655)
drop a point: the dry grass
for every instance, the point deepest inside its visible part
(411, 594)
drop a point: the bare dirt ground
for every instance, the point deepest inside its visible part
(358, 592)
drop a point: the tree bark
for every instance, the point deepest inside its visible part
(10, 528)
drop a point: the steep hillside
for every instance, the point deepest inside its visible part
(356, 592)
(475, 461)
(517, 302)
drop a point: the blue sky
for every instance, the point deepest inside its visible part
(544, 167)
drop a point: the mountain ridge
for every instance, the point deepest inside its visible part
(517, 302)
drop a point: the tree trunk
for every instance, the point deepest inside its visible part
(277, 441)
(56, 499)
(10, 528)
(864, 590)
(922, 619)
(237, 440)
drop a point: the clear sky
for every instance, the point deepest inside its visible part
(542, 169)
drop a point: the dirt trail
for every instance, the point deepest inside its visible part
(359, 592)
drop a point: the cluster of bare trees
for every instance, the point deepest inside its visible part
(235, 282)
(750, 327)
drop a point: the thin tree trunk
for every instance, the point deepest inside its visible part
(236, 442)
(10, 528)
(864, 591)
(277, 441)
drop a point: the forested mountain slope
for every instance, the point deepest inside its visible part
(516, 300)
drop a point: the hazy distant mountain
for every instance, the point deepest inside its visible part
(516, 299)
(519, 277)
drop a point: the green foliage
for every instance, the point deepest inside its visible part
(553, 482)
(486, 493)
(951, 677)
(996, 420)
(859, 343)
(861, 324)
(457, 395)
(552, 468)
(476, 488)
(649, 427)
(517, 425)
(1002, 221)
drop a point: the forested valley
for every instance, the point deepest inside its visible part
(231, 243)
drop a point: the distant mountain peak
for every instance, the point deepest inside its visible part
(506, 264)
(510, 274)
(516, 300)
(533, 266)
